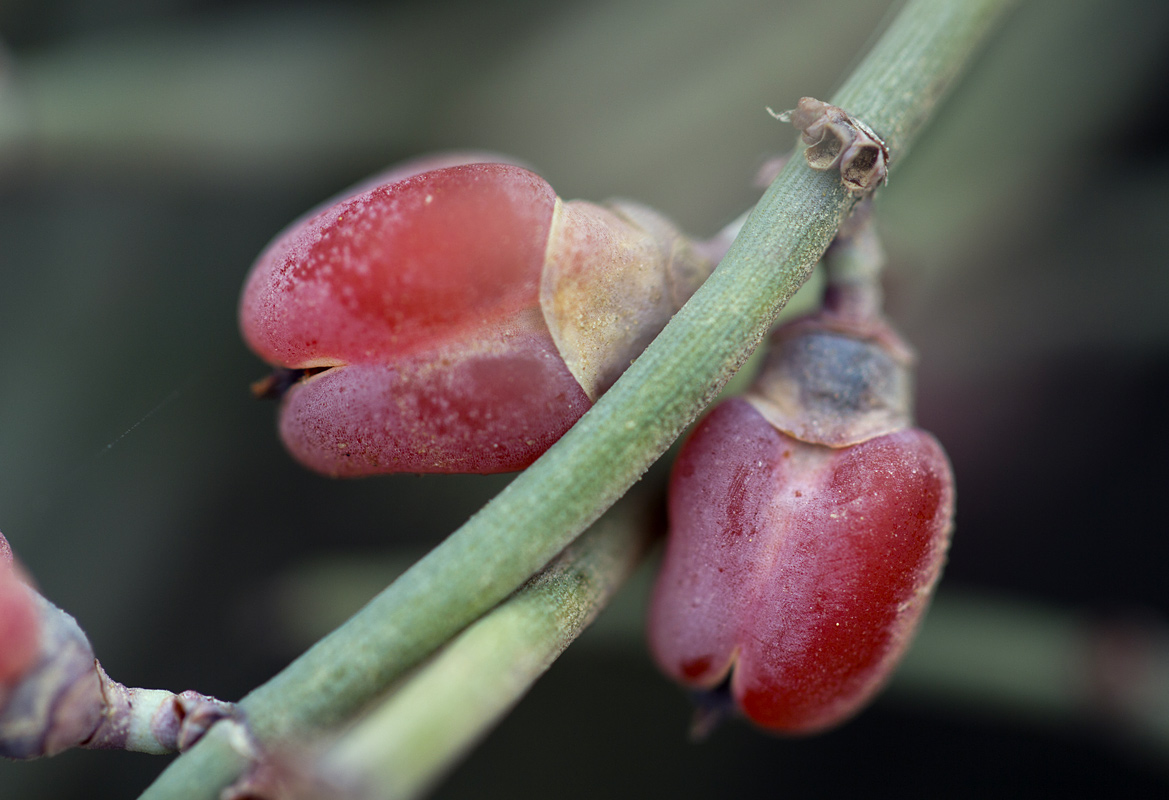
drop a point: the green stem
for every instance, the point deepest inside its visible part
(412, 738)
(894, 89)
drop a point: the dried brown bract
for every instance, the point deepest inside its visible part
(837, 139)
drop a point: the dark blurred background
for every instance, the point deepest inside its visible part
(149, 150)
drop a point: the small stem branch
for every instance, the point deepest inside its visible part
(853, 265)
(545, 508)
(63, 699)
(154, 721)
(424, 728)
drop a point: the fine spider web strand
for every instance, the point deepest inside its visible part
(69, 484)
(174, 395)
(196, 377)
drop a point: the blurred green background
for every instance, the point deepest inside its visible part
(149, 150)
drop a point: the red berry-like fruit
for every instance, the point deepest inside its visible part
(459, 319)
(808, 526)
(19, 626)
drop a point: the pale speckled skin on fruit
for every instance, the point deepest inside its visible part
(798, 570)
(399, 267)
(465, 317)
(490, 404)
(414, 293)
(809, 522)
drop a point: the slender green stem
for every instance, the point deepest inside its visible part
(413, 737)
(895, 89)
